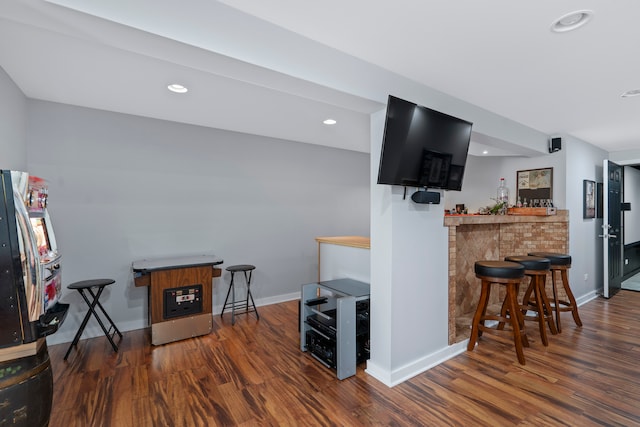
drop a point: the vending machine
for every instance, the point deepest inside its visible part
(30, 270)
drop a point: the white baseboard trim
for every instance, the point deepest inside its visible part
(393, 378)
(419, 366)
(379, 373)
(586, 298)
(93, 330)
(217, 309)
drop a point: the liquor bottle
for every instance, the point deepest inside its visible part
(503, 193)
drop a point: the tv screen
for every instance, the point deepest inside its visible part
(422, 147)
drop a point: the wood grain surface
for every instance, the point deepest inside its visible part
(254, 374)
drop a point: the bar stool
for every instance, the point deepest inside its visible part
(509, 275)
(88, 285)
(536, 268)
(247, 269)
(561, 263)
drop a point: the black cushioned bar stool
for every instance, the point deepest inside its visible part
(536, 268)
(508, 274)
(88, 285)
(561, 263)
(243, 305)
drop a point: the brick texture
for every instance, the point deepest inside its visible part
(494, 237)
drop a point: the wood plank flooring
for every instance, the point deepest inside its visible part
(253, 374)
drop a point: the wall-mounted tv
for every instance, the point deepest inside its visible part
(423, 147)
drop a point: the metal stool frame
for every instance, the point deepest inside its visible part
(242, 304)
(88, 285)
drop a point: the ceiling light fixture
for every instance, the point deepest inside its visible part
(571, 21)
(177, 88)
(485, 152)
(630, 93)
(329, 122)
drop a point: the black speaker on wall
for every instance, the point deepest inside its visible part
(555, 144)
(426, 197)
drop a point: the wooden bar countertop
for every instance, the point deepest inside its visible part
(455, 220)
(352, 241)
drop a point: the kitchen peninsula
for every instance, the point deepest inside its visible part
(493, 237)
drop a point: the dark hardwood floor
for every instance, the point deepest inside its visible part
(254, 373)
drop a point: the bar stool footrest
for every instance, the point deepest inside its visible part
(240, 305)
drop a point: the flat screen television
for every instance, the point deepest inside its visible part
(422, 147)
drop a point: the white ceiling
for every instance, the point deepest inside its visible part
(253, 66)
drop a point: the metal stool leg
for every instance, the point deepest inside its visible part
(232, 291)
(111, 322)
(241, 305)
(224, 306)
(250, 295)
(76, 338)
(92, 310)
(233, 299)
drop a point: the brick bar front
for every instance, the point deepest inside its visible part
(493, 237)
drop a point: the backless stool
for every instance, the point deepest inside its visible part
(509, 275)
(88, 285)
(536, 268)
(560, 263)
(243, 305)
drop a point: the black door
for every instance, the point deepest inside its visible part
(612, 228)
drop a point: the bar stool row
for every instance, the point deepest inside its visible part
(534, 306)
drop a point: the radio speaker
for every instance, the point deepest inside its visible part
(426, 197)
(555, 144)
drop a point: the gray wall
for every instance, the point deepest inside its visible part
(482, 177)
(584, 161)
(13, 125)
(124, 188)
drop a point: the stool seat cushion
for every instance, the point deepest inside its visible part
(555, 257)
(501, 269)
(84, 284)
(530, 262)
(241, 267)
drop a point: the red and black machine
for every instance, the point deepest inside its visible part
(30, 290)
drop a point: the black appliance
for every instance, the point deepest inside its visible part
(423, 147)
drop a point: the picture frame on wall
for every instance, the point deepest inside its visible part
(588, 199)
(534, 187)
(599, 200)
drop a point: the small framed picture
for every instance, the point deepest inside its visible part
(535, 186)
(589, 199)
(599, 200)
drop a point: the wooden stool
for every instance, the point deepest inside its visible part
(508, 274)
(536, 268)
(560, 263)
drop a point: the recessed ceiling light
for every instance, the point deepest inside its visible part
(571, 21)
(630, 93)
(485, 152)
(329, 122)
(177, 88)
